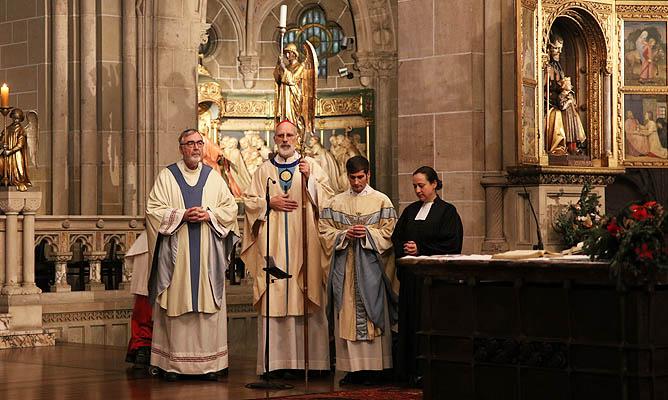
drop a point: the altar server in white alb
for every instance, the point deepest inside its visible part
(356, 227)
(191, 219)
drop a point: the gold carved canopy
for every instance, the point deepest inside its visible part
(588, 58)
(618, 62)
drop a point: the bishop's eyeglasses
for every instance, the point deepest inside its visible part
(191, 143)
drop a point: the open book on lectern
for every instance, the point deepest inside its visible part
(273, 270)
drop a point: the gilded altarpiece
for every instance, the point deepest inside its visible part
(240, 127)
(347, 113)
(566, 70)
(586, 30)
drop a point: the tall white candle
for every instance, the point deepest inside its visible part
(4, 96)
(283, 20)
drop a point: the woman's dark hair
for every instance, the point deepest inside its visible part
(431, 175)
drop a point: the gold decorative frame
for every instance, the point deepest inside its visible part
(328, 105)
(595, 19)
(527, 156)
(334, 110)
(599, 60)
(627, 12)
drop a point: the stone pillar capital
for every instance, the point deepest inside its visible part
(494, 178)
(95, 256)
(377, 64)
(13, 201)
(204, 32)
(61, 257)
(249, 65)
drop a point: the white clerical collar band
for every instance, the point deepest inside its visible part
(367, 189)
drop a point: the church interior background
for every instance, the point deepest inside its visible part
(458, 85)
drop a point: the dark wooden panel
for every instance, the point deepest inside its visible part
(545, 311)
(539, 330)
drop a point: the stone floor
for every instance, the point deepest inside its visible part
(76, 371)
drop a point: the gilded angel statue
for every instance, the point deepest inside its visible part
(295, 87)
(14, 153)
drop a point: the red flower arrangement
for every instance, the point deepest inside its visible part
(634, 241)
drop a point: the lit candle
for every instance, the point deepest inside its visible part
(4, 96)
(283, 20)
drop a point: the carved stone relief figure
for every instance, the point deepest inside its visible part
(326, 159)
(233, 165)
(253, 150)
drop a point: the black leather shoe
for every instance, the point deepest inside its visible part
(293, 374)
(351, 378)
(171, 376)
(143, 357)
(211, 376)
(276, 374)
(224, 373)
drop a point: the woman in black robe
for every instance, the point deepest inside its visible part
(429, 226)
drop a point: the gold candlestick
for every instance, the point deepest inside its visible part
(4, 111)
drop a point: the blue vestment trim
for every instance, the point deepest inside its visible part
(192, 197)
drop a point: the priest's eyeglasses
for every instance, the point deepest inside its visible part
(191, 143)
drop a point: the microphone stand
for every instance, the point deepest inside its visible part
(538, 246)
(265, 383)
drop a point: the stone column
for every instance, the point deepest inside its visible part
(60, 282)
(11, 247)
(11, 203)
(378, 70)
(129, 108)
(94, 259)
(493, 179)
(167, 90)
(32, 203)
(145, 108)
(89, 142)
(59, 115)
(126, 277)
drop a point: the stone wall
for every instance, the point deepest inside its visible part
(107, 122)
(26, 67)
(114, 82)
(441, 104)
(238, 47)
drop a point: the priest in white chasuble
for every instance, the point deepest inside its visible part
(191, 221)
(356, 227)
(286, 296)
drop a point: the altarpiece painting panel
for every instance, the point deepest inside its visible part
(643, 85)
(644, 53)
(645, 127)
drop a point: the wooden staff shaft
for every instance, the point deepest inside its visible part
(305, 201)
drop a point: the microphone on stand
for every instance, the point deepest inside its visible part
(538, 246)
(266, 195)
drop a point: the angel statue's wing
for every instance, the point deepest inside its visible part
(32, 134)
(309, 87)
